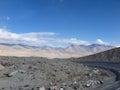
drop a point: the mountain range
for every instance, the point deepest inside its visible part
(51, 52)
(112, 55)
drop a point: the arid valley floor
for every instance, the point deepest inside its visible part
(35, 73)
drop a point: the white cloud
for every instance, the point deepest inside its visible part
(118, 46)
(33, 38)
(4, 18)
(7, 18)
(99, 41)
(74, 41)
(37, 39)
(40, 39)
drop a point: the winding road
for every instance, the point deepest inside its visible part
(114, 67)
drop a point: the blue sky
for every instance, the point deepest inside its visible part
(75, 21)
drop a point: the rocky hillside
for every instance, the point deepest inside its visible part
(50, 52)
(112, 55)
(35, 73)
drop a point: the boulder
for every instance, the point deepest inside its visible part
(42, 88)
(1, 67)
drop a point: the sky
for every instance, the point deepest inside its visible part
(59, 23)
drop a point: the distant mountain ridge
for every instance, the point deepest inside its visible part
(51, 52)
(112, 55)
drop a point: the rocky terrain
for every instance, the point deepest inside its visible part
(51, 52)
(112, 55)
(35, 73)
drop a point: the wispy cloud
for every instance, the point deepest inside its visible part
(7, 18)
(40, 39)
(33, 38)
(4, 18)
(99, 41)
(74, 41)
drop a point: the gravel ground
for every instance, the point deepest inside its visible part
(35, 73)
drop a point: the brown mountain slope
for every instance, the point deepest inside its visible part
(49, 52)
(112, 55)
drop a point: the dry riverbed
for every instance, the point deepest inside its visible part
(35, 73)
